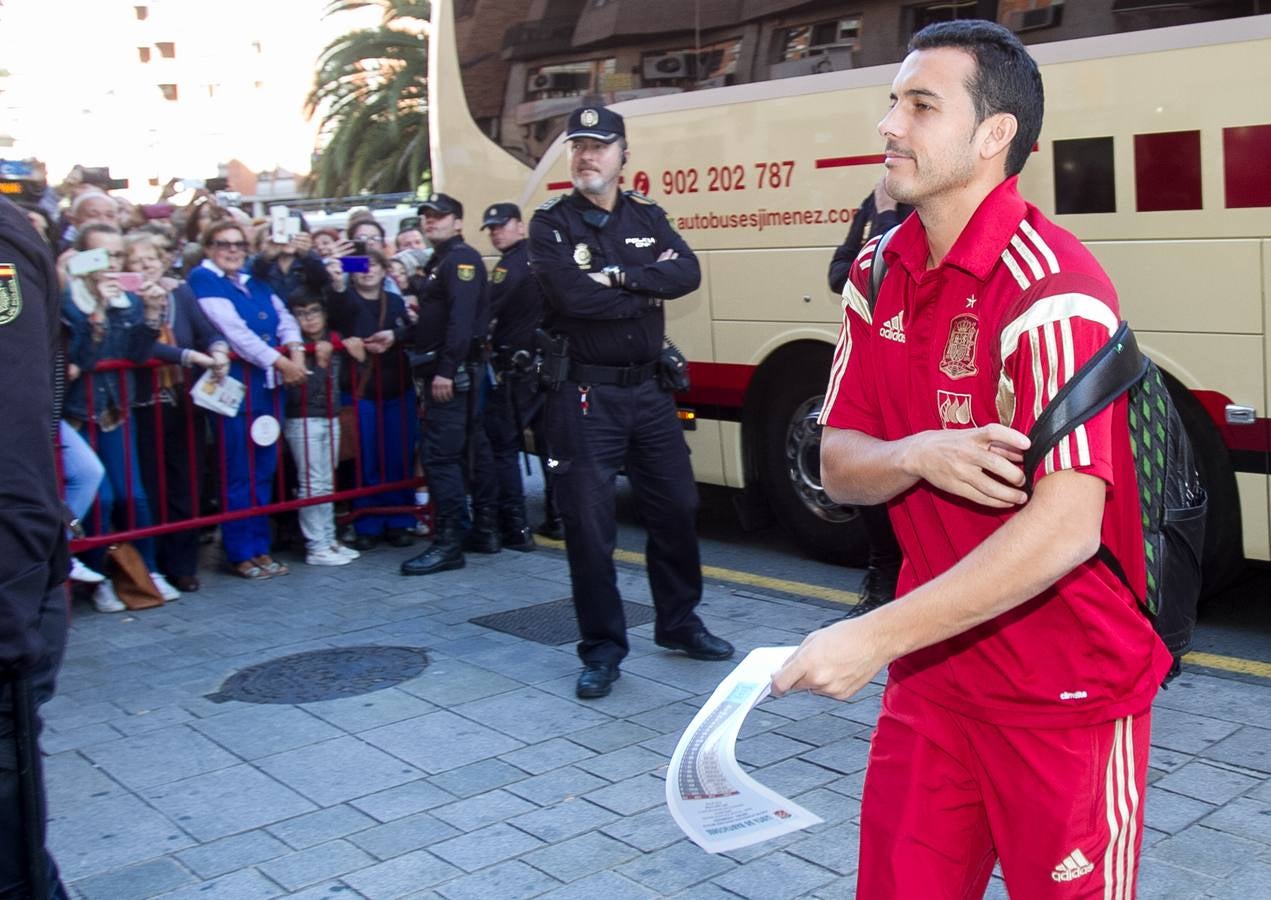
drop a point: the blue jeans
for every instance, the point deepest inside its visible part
(122, 498)
(82, 471)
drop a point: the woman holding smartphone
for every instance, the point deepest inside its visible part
(105, 322)
(266, 339)
(385, 398)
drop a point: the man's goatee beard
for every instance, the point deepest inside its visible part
(593, 184)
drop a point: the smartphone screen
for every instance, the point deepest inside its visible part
(130, 281)
(278, 225)
(88, 261)
(355, 263)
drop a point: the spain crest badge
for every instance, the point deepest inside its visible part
(959, 349)
(10, 293)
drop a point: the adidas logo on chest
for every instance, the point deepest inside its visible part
(893, 329)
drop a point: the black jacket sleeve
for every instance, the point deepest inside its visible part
(882, 222)
(669, 278)
(31, 533)
(847, 252)
(462, 275)
(571, 291)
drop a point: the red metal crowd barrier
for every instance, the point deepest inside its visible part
(196, 424)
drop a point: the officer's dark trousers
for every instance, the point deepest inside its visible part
(443, 450)
(13, 879)
(499, 421)
(634, 428)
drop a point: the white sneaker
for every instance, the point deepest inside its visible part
(326, 557)
(81, 572)
(346, 551)
(105, 600)
(166, 591)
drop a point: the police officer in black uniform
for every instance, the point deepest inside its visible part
(607, 260)
(452, 311)
(33, 560)
(516, 309)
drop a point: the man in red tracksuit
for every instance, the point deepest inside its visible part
(1015, 720)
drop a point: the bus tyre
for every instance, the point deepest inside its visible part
(790, 469)
(1223, 560)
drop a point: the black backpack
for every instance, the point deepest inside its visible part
(1171, 497)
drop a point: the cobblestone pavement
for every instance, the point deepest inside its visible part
(484, 777)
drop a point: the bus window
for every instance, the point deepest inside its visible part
(525, 66)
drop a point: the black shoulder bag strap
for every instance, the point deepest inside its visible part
(1108, 374)
(879, 267)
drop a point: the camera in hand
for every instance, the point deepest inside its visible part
(359, 247)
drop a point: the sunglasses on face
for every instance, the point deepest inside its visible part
(230, 245)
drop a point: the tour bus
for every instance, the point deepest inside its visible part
(753, 123)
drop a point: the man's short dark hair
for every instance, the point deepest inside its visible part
(306, 296)
(1006, 79)
(92, 228)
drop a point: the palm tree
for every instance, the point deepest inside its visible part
(371, 93)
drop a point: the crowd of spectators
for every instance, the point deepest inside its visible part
(156, 298)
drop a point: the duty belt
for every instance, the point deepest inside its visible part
(623, 376)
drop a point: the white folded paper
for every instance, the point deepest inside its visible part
(224, 397)
(717, 804)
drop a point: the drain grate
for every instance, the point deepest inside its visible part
(553, 623)
(323, 675)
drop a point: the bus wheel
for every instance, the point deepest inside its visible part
(791, 471)
(1223, 560)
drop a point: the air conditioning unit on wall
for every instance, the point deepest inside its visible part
(668, 66)
(833, 59)
(551, 81)
(1029, 19)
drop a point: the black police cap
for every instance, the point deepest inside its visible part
(598, 122)
(442, 203)
(500, 213)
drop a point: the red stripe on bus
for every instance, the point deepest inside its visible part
(718, 384)
(834, 162)
(725, 384)
(1254, 437)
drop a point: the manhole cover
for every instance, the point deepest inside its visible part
(323, 675)
(553, 623)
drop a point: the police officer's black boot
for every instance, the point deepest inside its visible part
(444, 553)
(551, 526)
(484, 536)
(516, 534)
(879, 584)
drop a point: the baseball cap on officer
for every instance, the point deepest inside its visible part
(442, 203)
(597, 122)
(500, 214)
